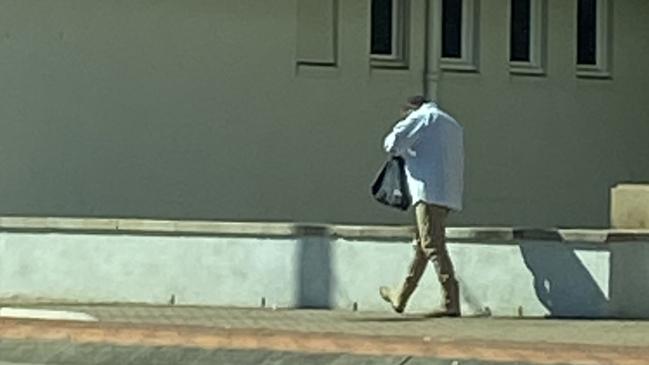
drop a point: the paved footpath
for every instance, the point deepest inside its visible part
(126, 334)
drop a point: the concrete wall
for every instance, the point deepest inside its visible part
(185, 109)
(502, 272)
(197, 109)
(544, 150)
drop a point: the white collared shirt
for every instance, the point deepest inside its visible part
(432, 145)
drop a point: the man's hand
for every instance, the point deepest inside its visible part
(405, 111)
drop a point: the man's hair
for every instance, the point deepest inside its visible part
(416, 101)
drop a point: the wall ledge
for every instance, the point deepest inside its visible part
(482, 234)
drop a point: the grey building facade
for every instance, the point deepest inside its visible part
(275, 111)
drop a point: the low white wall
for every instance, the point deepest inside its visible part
(504, 272)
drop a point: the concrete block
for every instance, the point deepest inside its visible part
(630, 206)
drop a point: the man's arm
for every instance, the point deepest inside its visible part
(405, 133)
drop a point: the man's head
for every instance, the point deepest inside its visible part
(412, 103)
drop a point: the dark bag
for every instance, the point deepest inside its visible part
(390, 186)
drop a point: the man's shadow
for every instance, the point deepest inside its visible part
(562, 283)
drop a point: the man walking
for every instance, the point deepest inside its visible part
(431, 143)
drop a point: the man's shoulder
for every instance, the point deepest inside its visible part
(441, 115)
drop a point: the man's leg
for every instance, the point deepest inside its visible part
(399, 298)
(433, 243)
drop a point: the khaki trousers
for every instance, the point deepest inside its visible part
(431, 245)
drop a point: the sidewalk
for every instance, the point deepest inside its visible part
(355, 333)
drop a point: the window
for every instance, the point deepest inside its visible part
(387, 35)
(519, 34)
(459, 35)
(526, 36)
(587, 32)
(592, 38)
(452, 29)
(382, 21)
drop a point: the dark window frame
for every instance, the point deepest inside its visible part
(520, 31)
(532, 61)
(382, 40)
(587, 32)
(452, 28)
(594, 62)
(469, 26)
(397, 57)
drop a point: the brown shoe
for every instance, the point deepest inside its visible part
(388, 295)
(451, 297)
(442, 313)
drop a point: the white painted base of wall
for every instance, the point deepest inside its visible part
(517, 278)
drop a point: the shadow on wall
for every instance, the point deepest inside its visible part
(629, 281)
(315, 287)
(561, 281)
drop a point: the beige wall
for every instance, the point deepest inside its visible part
(196, 109)
(189, 109)
(545, 150)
